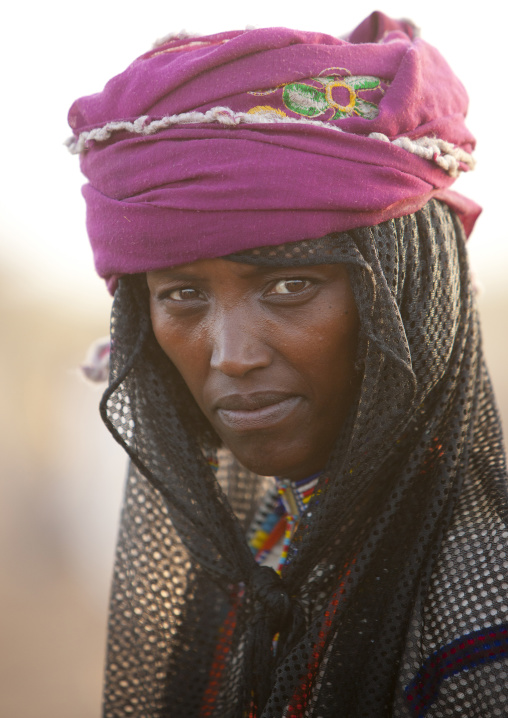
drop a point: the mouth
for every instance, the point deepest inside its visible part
(251, 412)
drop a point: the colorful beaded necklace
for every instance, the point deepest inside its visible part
(278, 518)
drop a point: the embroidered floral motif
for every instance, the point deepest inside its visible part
(266, 92)
(311, 101)
(337, 92)
(266, 110)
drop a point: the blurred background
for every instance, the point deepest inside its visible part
(61, 475)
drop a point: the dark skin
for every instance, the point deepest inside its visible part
(267, 353)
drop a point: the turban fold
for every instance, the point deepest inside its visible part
(210, 145)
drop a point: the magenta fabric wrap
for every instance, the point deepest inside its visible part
(289, 154)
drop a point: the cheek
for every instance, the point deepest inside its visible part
(186, 349)
(331, 358)
(332, 338)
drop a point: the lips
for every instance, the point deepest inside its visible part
(260, 410)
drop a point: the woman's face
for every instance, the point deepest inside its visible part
(268, 355)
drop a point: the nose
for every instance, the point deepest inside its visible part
(239, 345)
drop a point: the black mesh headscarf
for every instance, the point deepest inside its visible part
(393, 599)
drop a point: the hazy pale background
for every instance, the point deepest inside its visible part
(60, 474)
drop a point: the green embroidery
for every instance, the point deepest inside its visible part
(304, 99)
(310, 101)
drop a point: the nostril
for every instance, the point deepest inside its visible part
(238, 363)
(237, 351)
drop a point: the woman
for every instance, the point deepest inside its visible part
(272, 211)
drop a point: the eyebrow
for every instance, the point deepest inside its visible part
(178, 274)
(187, 275)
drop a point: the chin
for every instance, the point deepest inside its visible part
(290, 464)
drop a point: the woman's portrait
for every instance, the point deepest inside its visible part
(314, 519)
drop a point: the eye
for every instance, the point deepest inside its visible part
(290, 286)
(185, 294)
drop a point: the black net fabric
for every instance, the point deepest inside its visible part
(393, 599)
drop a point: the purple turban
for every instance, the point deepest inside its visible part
(210, 145)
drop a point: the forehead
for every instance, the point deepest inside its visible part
(223, 269)
(205, 268)
(330, 249)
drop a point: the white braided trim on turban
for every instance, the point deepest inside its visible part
(444, 154)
